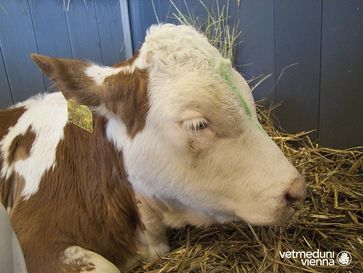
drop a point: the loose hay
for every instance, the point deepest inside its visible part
(331, 219)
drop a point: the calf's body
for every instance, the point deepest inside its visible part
(176, 140)
(83, 199)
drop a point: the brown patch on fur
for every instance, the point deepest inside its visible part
(19, 150)
(21, 146)
(128, 99)
(86, 200)
(124, 94)
(78, 265)
(78, 268)
(13, 187)
(90, 267)
(8, 118)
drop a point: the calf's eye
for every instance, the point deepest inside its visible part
(196, 125)
(201, 125)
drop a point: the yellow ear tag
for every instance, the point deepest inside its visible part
(80, 115)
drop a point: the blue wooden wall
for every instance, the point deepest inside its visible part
(312, 48)
(86, 29)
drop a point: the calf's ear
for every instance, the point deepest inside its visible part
(70, 77)
(121, 89)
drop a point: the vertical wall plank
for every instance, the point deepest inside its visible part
(83, 31)
(141, 17)
(51, 28)
(110, 31)
(341, 102)
(126, 26)
(255, 53)
(52, 38)
(17, 43)
(298, 41)
(5, 92)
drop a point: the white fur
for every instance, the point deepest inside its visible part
(47, 116)
(177, 45)
(115, 128)
(116, 133)
(81, 256)
(100, 73)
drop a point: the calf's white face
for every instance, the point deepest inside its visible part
(201, 150)
(202, 147)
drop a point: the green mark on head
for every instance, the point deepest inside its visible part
(224, 69)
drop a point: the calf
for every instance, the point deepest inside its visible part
(173, 139)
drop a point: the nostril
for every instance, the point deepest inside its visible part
(291, 199)
(295, 198)
(295, 194)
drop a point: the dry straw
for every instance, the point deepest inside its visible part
(331, 218)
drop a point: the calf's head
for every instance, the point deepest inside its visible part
(186, 124)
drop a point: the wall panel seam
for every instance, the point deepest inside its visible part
(320, 70)
(69, 35)
(98, 30)
(36, 40)
(126, 27)
(6, 73)
(274, 87)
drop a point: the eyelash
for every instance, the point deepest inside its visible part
(196, 125)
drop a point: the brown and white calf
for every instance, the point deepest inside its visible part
(175, 141)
